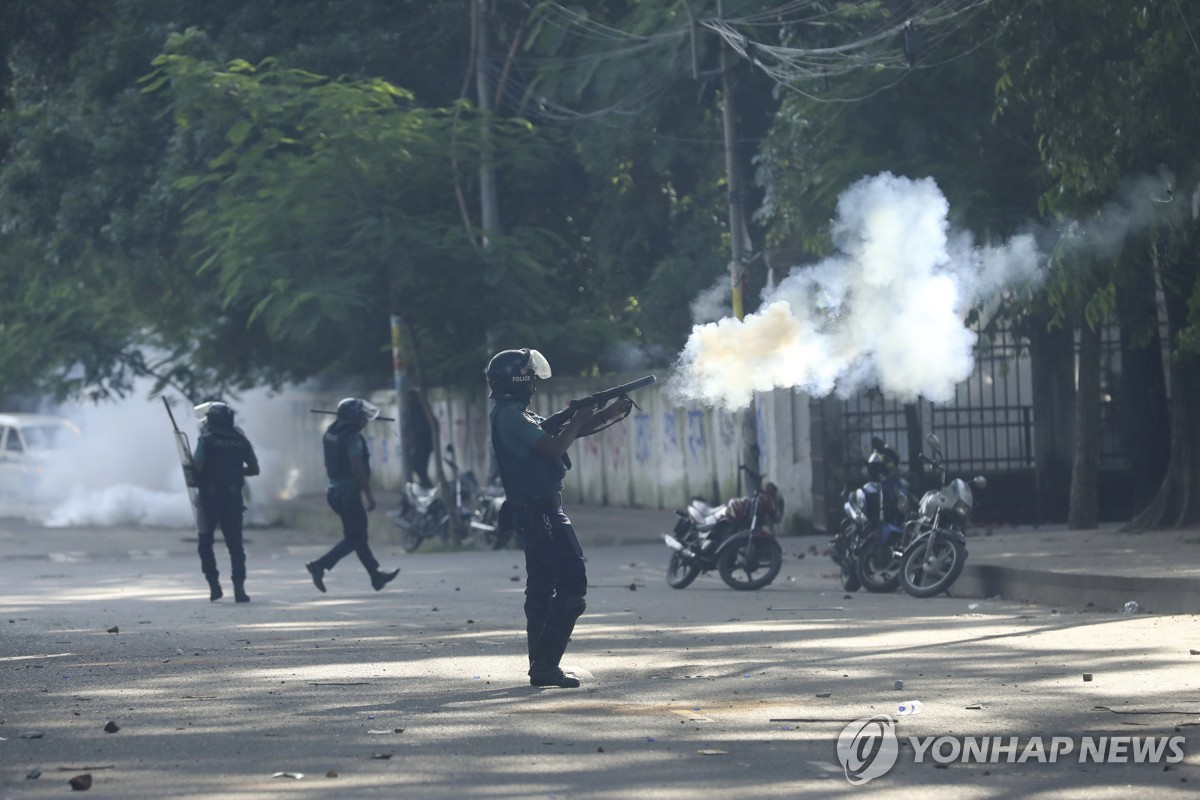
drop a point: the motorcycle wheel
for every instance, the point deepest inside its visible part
(878, 568)
(681, 573)
(409, 524)
(751, 563)
(930, 568)
(497, 539)
(410, 541)
(850, 581)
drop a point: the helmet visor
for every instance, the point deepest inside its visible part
(539, 364)
(201, 411)
(369, 410)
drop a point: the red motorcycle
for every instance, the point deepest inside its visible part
(735, 539)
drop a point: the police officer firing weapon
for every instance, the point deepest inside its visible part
(223, 459)
(532, 456)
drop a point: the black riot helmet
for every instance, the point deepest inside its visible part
(216, 415)
(511, 373)
(355, 409)
(884, 461)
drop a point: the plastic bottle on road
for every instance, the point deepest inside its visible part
(909, 708)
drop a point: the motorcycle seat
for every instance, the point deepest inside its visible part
(704, 516)
(419, 491)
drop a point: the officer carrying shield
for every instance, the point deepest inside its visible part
(223, 459)
(533, 463)
(348, 468)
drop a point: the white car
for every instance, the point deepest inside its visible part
(29, 443)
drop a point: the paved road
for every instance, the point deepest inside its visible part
(419, 691)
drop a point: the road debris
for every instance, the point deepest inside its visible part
(81, 783)
(111, 727)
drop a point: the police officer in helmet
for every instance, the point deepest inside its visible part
(533, 463)
(348, 468)
(223, 459)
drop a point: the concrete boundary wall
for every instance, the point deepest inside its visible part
(659, 457)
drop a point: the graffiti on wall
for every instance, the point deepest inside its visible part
(670, 432)
(695, 434)
(643, 438)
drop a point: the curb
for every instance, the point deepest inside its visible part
(1102, 592)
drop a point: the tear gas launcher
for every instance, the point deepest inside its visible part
(554, 423)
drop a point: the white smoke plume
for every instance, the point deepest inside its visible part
(125, 470)
(888, 310)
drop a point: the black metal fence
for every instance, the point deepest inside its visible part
(988, 428)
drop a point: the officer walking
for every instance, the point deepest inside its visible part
(348, 468)
(223, 459)
(533, 463)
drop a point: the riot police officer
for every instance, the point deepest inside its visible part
(348, 469)
(223, 459)
(533, 463)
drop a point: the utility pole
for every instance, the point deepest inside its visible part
(488, 200)
(739, 246)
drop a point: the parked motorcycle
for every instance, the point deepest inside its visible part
(866, 548)
(491, 521)
(424, 515)
(735, 539)
(936, 550)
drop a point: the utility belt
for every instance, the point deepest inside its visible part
(228, 488)
(544, 501)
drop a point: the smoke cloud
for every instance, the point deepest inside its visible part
(887, 310)
(125, 470)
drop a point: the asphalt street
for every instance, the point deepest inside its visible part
(420, 691)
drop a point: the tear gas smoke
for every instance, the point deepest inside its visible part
(124, 470)
(887, 310)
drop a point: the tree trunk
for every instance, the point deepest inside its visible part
(1177, 503)
(1144, 422)
(1083, 512)
(458, 528)
(1052, 362)
(915, 441)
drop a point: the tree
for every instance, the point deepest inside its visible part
(1112, 91)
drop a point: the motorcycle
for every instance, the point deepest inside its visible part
(936, 550)
(424, 515)
(490, 520)
(733, 539)
(873, 528)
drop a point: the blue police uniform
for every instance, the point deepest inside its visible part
(223, 457)
(557, 579)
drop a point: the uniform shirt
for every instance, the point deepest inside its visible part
(525, 472)
(337, 470)
(221, 458)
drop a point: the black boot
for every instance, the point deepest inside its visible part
(239, 593)
(552, 643)
(382, 579)
(552, 676)
(214, 590)
(318, 574)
